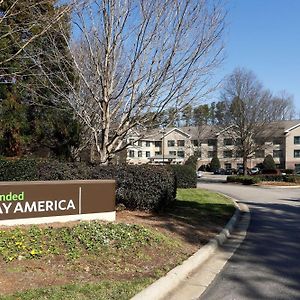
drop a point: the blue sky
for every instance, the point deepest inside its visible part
(264, 36)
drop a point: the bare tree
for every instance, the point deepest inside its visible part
(283, 106)
(249, 111)
(134, 59)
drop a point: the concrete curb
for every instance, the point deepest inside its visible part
(163, 286)
(279, 186)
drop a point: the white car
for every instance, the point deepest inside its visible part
(199, 174)
(254, 171)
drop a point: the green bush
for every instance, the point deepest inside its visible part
(215, 163)
(270, 171)
(247, 180)
(278, 178)
(186, 176)
(138, 187)
(192, 161)
(268, 163)
(18, 170)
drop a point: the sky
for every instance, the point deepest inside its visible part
(264, 37)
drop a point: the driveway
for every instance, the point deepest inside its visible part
(267, 264)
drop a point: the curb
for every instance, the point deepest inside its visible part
(163, 286)
(279, 186)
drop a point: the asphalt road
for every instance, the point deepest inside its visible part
(267, 264)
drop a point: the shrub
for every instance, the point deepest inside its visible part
(215, 163)
(278, 178)
(18, 170)
(270, 172)
(145, 187)
(138, 187)
(247, 180)
(186, 176)
(268, 163)
(192, 161)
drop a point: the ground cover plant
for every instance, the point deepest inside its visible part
(94, 260)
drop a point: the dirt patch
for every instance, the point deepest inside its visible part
(24, 274)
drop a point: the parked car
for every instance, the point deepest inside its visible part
(254, 171)
(229, 171)
(219, 171)
(240, 171)
(199, 174)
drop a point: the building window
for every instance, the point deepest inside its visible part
(131, 153)
(211, 154)
(228, 142)
(171, 143)
(277, 153)
(239, 153)
(140, 143)
(259, 153)
(173, 153)
(157, 143)
(147, 143)
(296, 140)
(211, 142)
(195, 143)
(157, 153)
(227, 166)
(227, 154)
(277, 141)
(140, 154)
(238, 142)
(297, 168)
(180, 143)
(147, 153)
(131, 141)
(180, 154)
(297, 153)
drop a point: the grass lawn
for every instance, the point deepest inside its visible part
(104, 260)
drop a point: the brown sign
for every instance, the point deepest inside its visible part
(37, 199)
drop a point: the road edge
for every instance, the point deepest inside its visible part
(166, 284)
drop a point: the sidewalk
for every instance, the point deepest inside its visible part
(190, 279)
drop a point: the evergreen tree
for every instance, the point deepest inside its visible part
(268, 163)
(23, 88)
(187, 115)
(215, 163)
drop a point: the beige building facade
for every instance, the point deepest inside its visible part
(175, 145)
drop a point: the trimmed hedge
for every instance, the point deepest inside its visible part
(186, 176)
(247, 180)
(259, 178)
(138, 186)
(278, 178)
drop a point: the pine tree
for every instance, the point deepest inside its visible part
(215, 163)
(23, 88)
(268, 163)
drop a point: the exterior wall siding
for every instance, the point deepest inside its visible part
(281, 148)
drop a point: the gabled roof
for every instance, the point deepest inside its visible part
(273, 129)
(293, 126)
(178, 130)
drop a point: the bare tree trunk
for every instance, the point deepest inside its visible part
(245, 160)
